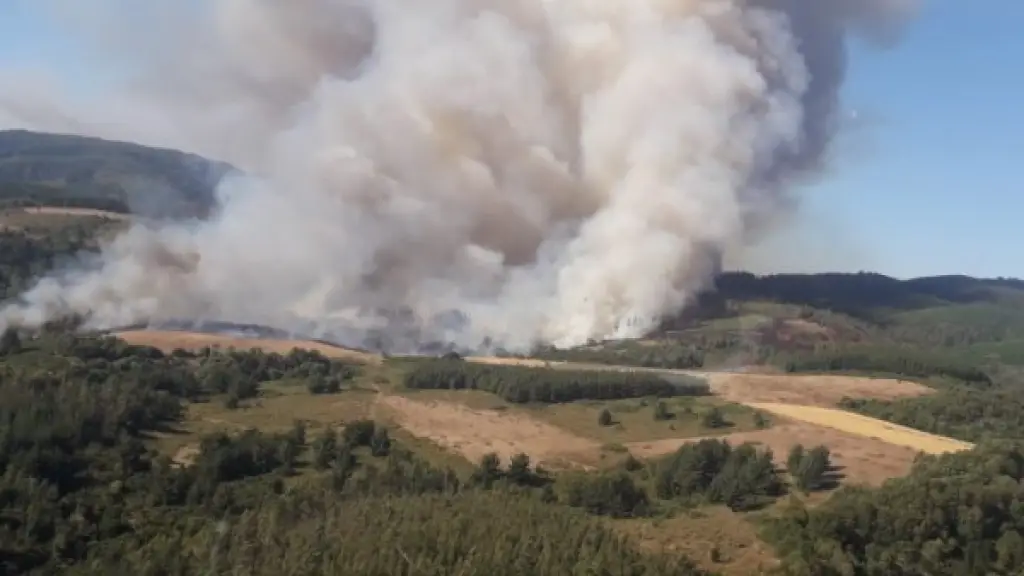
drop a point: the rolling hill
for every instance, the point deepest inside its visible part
(63, 170)
(746, 319)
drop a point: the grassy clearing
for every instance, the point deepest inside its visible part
(716, 538)
(275, 411)
(281, 403)
(169, 340)
(472, 426)
(867, 427)
(633, 420)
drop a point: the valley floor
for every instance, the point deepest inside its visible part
(459, 427)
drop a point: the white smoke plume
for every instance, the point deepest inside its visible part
(468, 171)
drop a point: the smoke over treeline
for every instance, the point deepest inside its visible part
(467, 171)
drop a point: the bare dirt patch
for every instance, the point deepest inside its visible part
(185, 455)
(861, 460)
(169, 340)
(474, 433)
(807, 390)
(806, 326)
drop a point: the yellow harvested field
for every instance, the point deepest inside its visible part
(865, 426)
(501, 361)
(807, 389)
(863, 461)
(169, 340)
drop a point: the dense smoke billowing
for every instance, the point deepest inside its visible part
(466, 171)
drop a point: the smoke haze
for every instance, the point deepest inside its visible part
(468, 171)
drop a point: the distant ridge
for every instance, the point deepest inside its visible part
(81, 171)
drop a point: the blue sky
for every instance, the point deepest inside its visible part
(932, 182)
(937, 181)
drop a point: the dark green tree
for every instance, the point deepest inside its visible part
(661, 411)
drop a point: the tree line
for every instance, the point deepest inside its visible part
(522, 384)
(22, 195)
(672, 356)
(896, 360)
(26, 255)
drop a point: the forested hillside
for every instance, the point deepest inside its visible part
(62, 170)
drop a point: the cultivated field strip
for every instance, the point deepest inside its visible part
(798, 398)
(865, 426)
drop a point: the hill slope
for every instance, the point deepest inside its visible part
(58, 169)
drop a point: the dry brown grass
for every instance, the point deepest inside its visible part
(741, 553)
(867, 427)
(472, 424)
(810, 390)
(42, 219)
(169, 340)
(473, 433)
(861, 460)
(501, 361)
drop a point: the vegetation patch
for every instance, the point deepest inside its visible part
(644, 419)
(954, 514)
(524, 384)
(476, 432)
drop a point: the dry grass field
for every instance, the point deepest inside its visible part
(499, 361)
(470, 424)
(866, 427)
(472, 433)
(811, 390)
(698, 532)
(861, 460)
(49, 218)
(168, 340)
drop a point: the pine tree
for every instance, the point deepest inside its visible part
(796, 455)
(661, 411)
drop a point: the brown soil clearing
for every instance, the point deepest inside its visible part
(862, 460)
(474, 433)
(169, 340)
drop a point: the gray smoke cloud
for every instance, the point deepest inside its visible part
(468, 171)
